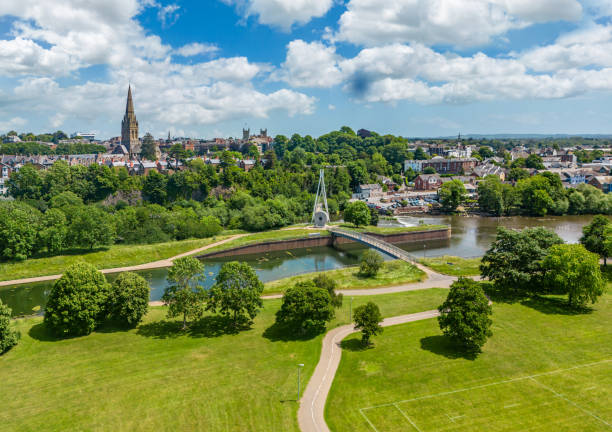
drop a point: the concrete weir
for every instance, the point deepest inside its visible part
(318, 240)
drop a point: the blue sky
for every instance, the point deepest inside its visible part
(208, 68)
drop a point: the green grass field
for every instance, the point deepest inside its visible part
(156, 378)
(452, 265)
(544, 369)
(114, 256)
(391, 229)
(392, 273)
(285, 234)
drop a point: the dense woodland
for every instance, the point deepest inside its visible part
(74, 207)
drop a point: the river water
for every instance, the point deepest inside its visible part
(471, 237)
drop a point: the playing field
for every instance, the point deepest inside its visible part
(542, 370)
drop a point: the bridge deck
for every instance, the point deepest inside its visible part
(375, 243)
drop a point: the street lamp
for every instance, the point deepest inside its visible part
(300, 366)
(351, 311)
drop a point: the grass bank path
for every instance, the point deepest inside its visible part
(311, 414)
(147, 266)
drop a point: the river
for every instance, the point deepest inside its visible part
(471, 237)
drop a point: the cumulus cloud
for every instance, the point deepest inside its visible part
(196, 48)
(54, 39)
(311, 65)
(282, 13)
(449, 22)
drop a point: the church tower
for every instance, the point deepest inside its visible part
(129, 128)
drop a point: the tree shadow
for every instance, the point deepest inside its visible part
(277, 332)
(554, 306)
(41, 332)
(442, 345)
(500, 295)
(207, 327)
(355, 345)
(161, 329)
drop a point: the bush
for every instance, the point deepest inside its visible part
(77, 302)
(368, 319)
(128, 301)
(306, 309)
(328, 284)
(464, 316)
(371, 262)
(8, 336)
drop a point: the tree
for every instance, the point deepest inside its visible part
(25, 183)
(452, 194)
(368, 319)
(77, 302)
(464, 316)
(491, 195)
(429, 170)
(148, 148)
(237, 292)
(370, 263)
(177, 152)
(419, 154)
(18, 228)
(53, 231)
(154, 188)
(185, 296)
(306, 308)
(534, 161)
(373, 216)
(513, 262)
(572, 269)
(90, 227)
(594, 236)
(357, 213)
(8, 336)
(516, 174)
(128, 301)
(328, 284)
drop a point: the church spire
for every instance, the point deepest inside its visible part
(129, 107)
(129, 128)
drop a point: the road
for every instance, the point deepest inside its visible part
(312, 405)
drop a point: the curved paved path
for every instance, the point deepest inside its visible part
(147, 266)
(312, 405)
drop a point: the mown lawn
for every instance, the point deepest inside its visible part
(157, 378)
(391, 229)
(113, 256)
(392, 273)
(414, 377)
(283, 234)
(452, 265)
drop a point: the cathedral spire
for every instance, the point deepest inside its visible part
(129, 107)
(129, 128)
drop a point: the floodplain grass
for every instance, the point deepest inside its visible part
(394, 272)
(391, 229)
(156, 377)
(103, 258)
(545, 367)
(453, 265)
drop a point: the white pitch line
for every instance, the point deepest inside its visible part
(559, 395)
(368, 420)
(490, 384)
(407, 418)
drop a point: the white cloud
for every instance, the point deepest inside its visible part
(196, 48)
(282, 13)
(310, 65)
(168, 15)
(331, 107)
(12, 124)
(451, 22)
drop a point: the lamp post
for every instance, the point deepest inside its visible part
(351, 310)
(300, 366)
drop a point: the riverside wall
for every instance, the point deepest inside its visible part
(328, 240)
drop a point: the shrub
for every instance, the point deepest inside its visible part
(128, 301)
(8, 336)
(329, 285)
(77, 302)
(371, 262)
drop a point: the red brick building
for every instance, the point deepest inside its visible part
(451, 166)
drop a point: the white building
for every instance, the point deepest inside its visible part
(416, 165)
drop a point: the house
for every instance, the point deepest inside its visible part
(603, 183)
(490, 169)
(247, 164)
(5, 174)
(450, 166)
(366, 191)
(427, 182)
(415, 165)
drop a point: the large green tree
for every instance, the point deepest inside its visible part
(306, 308)
(19, 225)
(367, 319)
(90, 227)
(452, 194)
(371, 262)
(236, 293)
(465, 315)
(513, 262)
(8, 335)
(148, 149)
(491, 195)
(77, 302)
(357, 213)
(128, 300)
(574, 270)
(594, 236)
(185, 295)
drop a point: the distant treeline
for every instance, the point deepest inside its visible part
(33, 148)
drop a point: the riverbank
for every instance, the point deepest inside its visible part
(392, 273)
(453, 266)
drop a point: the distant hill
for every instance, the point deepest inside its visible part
(525, 136)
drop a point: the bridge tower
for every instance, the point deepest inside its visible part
(320, 212)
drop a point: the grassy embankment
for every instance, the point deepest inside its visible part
(113, 256)
(390, 229)
(392, 273)
(453, 266)
(156, 378)
(417, 376)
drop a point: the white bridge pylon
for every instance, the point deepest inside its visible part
(320, 212)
